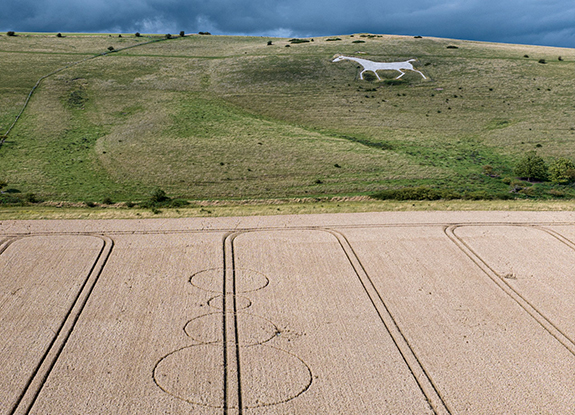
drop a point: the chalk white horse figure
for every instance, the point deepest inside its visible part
(376, 66)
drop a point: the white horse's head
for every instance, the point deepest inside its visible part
(337, 58)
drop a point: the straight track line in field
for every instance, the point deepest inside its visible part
(42, 371)
(529, 308)
(423, 379)
(236, 333)
(231, 341)
(224, 323)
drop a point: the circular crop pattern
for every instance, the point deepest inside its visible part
(246, 280)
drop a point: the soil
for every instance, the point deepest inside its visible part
(387, 313)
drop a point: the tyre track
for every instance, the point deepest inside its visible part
(526, 305)
(421, 376)
(42, 371)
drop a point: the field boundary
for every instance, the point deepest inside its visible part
(327, 227)
(42, 371)
(529, 308)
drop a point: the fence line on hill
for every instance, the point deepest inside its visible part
(5, 136)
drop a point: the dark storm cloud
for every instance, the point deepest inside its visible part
(543, 22)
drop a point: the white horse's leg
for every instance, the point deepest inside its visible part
(402, 73)
(419, 73)
(375, 72)
(361, 74)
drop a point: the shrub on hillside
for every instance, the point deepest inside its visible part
(531, 167)
(412, 193)
(31, 198)
(429, 193)
(111, 48)
(137, 34)
(562, 171)
(182, 34)
(168, 36)
(159, 196)
(59, 35)
(10, 33)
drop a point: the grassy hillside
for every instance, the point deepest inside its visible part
(218, 117)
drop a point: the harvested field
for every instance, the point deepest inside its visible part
(383, 313)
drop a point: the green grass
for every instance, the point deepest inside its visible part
(224, 117)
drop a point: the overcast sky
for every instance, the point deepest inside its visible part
(538, 22)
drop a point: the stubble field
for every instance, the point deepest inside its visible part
(413, 312)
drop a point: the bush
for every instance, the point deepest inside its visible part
(10, 33)
(159, 196)
(556, 193)
(9, 199)
(429, 193)
(59, 35)
(488, 170)
(542, 61)
(562, 171)
(168, 36)
(107, 201)
(182, 34)
(531, 167)
(111, 48)
(178, 203)
(137, 34)
(410, 193)
(31, 198)
(3, 184)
